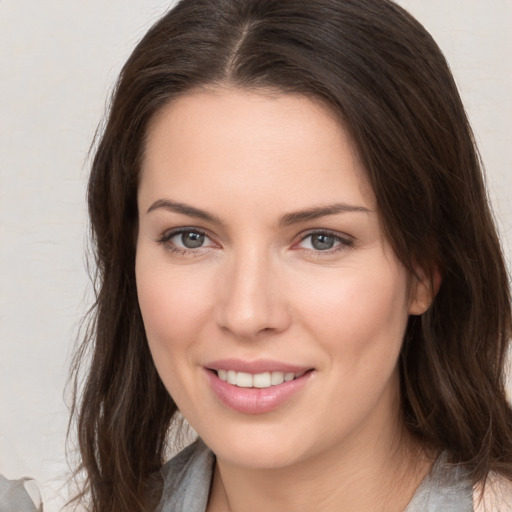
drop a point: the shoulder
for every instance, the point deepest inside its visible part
(496, 496)
(20, 495)
(446, 487)
(187, 478)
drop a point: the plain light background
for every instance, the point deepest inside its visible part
(58, 62)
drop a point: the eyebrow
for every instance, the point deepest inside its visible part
(321, 211)
(184, 209)
(286, 220)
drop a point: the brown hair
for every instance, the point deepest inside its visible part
(380, 70)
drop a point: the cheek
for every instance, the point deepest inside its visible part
(359, 323)
(173, 305)
(361, 313)
(174, 308)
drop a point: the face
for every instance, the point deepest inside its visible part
(273, 305)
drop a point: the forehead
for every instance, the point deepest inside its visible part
(252, 144)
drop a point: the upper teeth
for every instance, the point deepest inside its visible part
(258, 380)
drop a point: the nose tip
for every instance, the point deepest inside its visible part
(252, 303)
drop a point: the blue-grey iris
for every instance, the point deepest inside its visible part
(322, 242)
(192, 239)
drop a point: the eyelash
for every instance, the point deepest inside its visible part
(165, 240)
(343, 243)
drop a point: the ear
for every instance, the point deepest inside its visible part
(424, 288)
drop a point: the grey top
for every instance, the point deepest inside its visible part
(189, 474)
(14, 496)
(446, 488)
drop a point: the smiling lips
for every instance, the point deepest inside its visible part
(255, 387)
(259, 380)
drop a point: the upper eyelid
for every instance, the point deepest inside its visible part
(165, 238)
(330, 232)
(169, 233)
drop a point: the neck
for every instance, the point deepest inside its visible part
(377, 476)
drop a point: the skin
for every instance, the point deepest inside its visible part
(259, 287)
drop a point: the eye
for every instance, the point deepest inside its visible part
(185, 240)
(324, 241)
(189, 239)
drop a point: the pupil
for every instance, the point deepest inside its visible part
(192, 240)
(322, 242)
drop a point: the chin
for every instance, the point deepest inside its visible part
(257, 448)
(256, 458)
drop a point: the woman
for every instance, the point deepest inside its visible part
(295, 251)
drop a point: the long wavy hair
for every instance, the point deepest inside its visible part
(381, 72)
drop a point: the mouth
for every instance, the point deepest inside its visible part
(257, 387)
(258, 380)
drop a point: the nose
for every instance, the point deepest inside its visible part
(252, 300)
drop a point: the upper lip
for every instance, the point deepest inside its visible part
(256, 366)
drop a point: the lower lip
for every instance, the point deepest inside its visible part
(256, 400)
